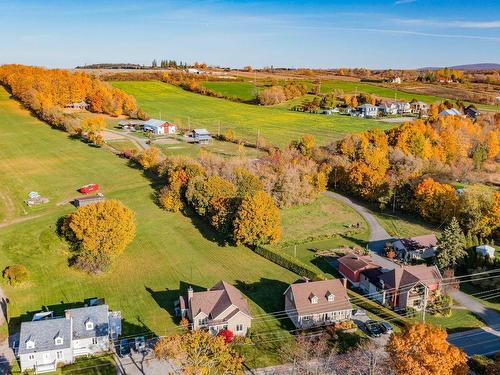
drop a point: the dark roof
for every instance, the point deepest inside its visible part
(201, 131)
(44, 333)
(373, 275)
(409, 275)
(419, 242)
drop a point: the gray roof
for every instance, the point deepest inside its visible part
(154, 123)
(367, 105)
(98, 315)
(201, 131)
(44, 333)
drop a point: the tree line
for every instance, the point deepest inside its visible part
(47, 91)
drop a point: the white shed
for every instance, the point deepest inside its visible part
(486, 250)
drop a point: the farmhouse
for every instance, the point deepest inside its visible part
(486, 250)
(472, 112)
(419, 107)
(79, 105)
(159, 127)
(46, 343)
(403, 107)
(351, 265)
(317, 303)
(415, 248)
(221, 307)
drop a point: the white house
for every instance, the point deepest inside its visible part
(367, 110)
(396, 80)
(486, 250)
(415, 248)
(388, 108)
(159, 127)
(45, 343)
(403, 107)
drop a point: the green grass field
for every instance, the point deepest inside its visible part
(169, 251)
(404, 225)
(277, 125)
(246, 91)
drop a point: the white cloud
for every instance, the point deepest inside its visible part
(400, 2)
(495, 24)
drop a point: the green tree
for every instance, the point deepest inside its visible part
(450, 249)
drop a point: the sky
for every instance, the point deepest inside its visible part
(316, 34)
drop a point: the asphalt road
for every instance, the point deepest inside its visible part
(483, 341)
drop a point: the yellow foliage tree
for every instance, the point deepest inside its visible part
(149, 158)
(422, 349)
(199, 353)
(257, 220)
(104, 227)
(436, 201)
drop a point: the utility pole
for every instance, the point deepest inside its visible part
(394, 201)
(189, 123)
(258, 138)
(295, 251)
(218, 131)
(160, 115)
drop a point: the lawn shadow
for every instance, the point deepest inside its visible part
(357, 241)
(5, 367)
(205, 229)
(167, 298)
(268, 295)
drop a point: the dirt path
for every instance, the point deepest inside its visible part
(10, 208)
(18, 220)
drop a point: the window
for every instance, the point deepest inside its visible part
(94, 340)
(59, 354)
(30, 344)
(31, 357)
(306, 318)
(239, 327)
(89, 325)
(59, 340)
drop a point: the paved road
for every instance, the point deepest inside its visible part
(378, 235)
(490, 316)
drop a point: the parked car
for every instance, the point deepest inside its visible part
(386, 327)
(359, 312)
(86, 189)
(140, 344)
(124, 348)
(374, 328)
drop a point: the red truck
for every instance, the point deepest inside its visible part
(90, 188)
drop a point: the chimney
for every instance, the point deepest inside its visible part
(67, 314)
(305, 279)
(344, 282)
(190, 293)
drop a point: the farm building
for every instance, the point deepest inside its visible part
(130, 124)
(449, 112)
(79, 105)
(159, 127)
(367, 110)
(84, 201)
(201, 136)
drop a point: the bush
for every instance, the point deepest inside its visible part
(170, 199)
(483, 365)
(271, 96)
(16, 274)
(227, 334)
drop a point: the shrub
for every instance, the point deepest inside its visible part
(16, 274)
(271, 96)
(170, 199)
(227, 334)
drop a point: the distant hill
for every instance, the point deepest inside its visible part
(481, 66)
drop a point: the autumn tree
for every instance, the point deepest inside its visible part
(149, 158)
(257, 220)
(198, 352)
(272, 95)
(422, 349)
(99, 232)
(435, 201)
(476, 212)
(450, 249)
(304, 145)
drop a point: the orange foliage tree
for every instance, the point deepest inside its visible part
(422, 349)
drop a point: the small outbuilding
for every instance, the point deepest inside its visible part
(201, 136)
(78, 105)
(84, 201)
(486, 250)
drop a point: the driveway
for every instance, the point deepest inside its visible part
(378, 235)
(140, 142)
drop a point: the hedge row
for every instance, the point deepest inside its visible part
(320, 237)
(290, 263)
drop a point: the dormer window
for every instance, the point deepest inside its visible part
(89, 325)
(59, 340)
(30, 344)
(330, 297)
(313, 298)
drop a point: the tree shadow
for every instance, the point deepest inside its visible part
(205, 229)
(5, 367)
(357, 241)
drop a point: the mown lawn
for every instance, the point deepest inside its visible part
(276, 125)
(170, 251)
(404, 225)
(309, 228)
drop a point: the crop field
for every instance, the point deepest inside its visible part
(276, 125)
